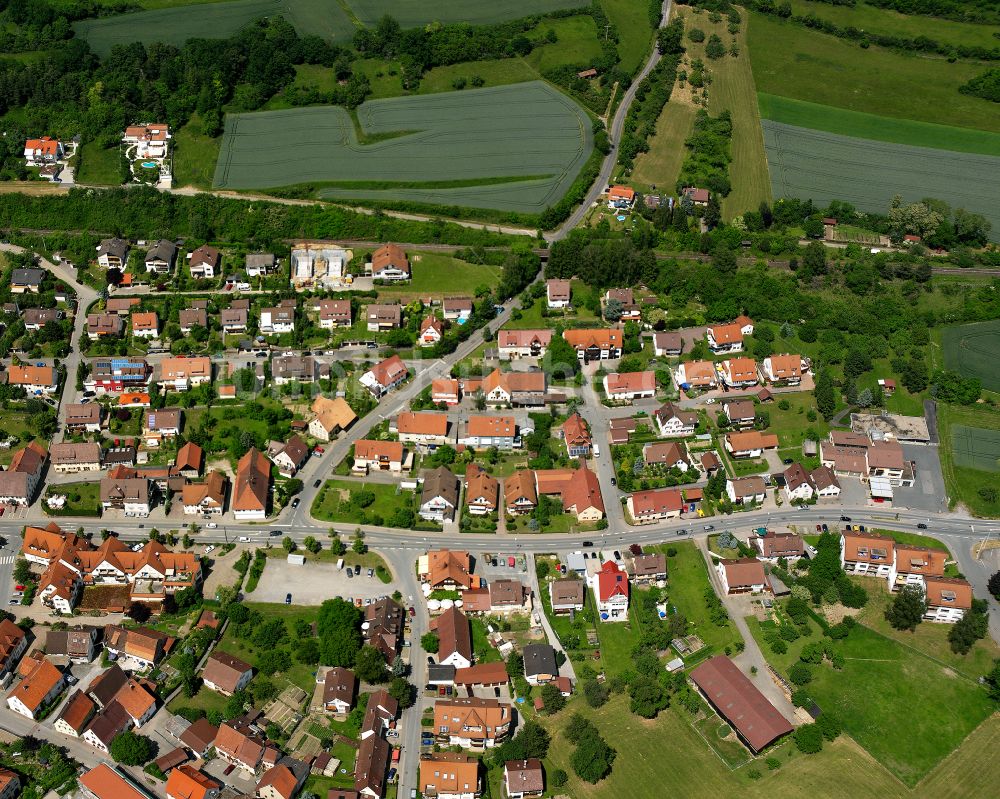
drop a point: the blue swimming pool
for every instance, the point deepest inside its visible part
(149, 164)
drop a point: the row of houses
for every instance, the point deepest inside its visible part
(740, 373)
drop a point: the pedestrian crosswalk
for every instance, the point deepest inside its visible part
(5, 559)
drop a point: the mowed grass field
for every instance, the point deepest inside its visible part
(512, 148)
(972, 350)
(822, 166)
(976, 448)
(965, 482)
(872, 126)
(791, 61)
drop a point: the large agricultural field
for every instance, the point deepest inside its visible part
(971, 350)
(175, 23)
(512, 148)
(821, 166)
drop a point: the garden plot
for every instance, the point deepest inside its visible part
(824, 166)
(513, 147)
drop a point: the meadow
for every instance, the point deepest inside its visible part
(804, 114)
(513, 148)
(971, 350)
(965, 482)
(976, 448)
(792, 61)
(823, 166)
(417, 13)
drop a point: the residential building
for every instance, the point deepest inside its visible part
(389, 262)
(105, 782)
(207, 498)
(76, 715)
(825, 482)
(104, 325)
(113, 253)
(745, 324)
(381, 317)
(260, 264)
(200, 737)
(746, 490)
(294, 369)
(578, 488)
(385, 376)
(724, 338)
(566, 596)
(204, 262)
(523, 779)
(668, 344)
(239, 746)
(68, 458)
(483, 432)
(33, 379)
(447, 569)
(798, 487)
(20, 482)
(180, 374)
(756, 721)
(696, 374)
(251, 491)
(334, 313)
(186, 782)
(431, 330)
(291, 456)
(482, 492)
(331, 416)
(36, 690)
(26, 280)
(106, 685)
(913, 564)
(382, 456)
(60, 587)
(277, 320)
(190, 318)
(384, 623)
(611, 592)
(523, 343)
(439, 495)
(482, 675)
(425, 431)
(669, 454)
(742, 576)
(540, 664)
(233, 320)
(557, 293)
(448, 775)
(319, 266)
(630, 311)
(283, 780)
(46, 150)
(599, 344)
(381, 711)
(749, 444)
(499, 597)
(77, 644)
(150, 140)
(190, 459)
(445, 391)
(576, 434)
(872, 554)
(739, 372)
(630, 386)
(472, 723)
(783, 370)
(621, 198)
(514, 388)
(137, 702)
(773, 546)
(456, 309)
(160, 257)
(742, 413)
(226, 674)
(117, 375)
(370, 767)
(145, 324)
(165, 423)
(13, 643)
(519, 492)
(455, 637)
(673, 421)
(647, 569)
(121, 305)
(37, 318)
(948, 599)
(697, 197)
(339, 688)
(109, 722)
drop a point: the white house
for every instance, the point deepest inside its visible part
(277, 320)
(746, 490)
(674, 422)
(557, 293)
(611, 592)
(742, 576)
(630, 386)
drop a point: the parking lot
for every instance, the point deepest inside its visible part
(928, 491)
(313, 583)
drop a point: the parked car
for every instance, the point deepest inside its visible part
(392, 773)
(788, 461)
(295, 502)
(317, 483)
(357, 570)
(288, 599)
(614, 482)
(349, 572)
(371, 572)
(413, 611)
(209, 550)
(826, 529)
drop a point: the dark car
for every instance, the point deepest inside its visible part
(788, 461)
(288, 599)
(413, 611)
(350, 572)
(357, 570)
(614, 482)
(430, 660)
(295, 502)
(588, 543)
(317, 484)
(275, 532)
(826, 529)
(845, 518)
(921, 526)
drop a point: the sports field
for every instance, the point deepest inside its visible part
(332, 20)
(976, 448)
(872, 126)
(972, 350)
(821, 166)
(510, 147)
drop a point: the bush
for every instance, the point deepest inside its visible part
(808, 739)
(829, 725)
(800, 673)
(558, 778)
(772, 763)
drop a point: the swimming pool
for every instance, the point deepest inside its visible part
(148, 164)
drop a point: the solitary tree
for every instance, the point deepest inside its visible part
(907, 608)
(994, 585)
(131, 749)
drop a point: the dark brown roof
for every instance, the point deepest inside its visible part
(224, 670)
(454, 633)
(106, 686)
(731, 693)
(199, 736)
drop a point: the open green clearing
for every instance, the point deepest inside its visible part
(880, 128)
(964, 482)
(577, 43)
(906, 709)
(976, 448)
(333, 503)
(195, 155)
(175, 23)
(971, 350)
(891, 23)
(437, 275)
(821, 166)
(512, 148)
(631, 18)
(791, 61)
(99, 166)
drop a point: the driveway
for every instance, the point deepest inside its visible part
(313, 583)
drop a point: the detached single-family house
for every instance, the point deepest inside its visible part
(455, 636)
(83, 417)
(290, 458)
(46, 150)
(668, 345)
(331, 416)
(204, 262)
(161, 424)
(773, 546)
(131, 495)
(36, 689)
(190, 318)
(673, 421)
(381, 317)
(523, 343)
(446, 391)
(439, 495)
(630, 386)
(334, 313)
(750, 443)
(145, 324)
(746, 490)
(380, 456)
(385, 376)
(742, 576)
(33, 379)
(575, 432)
(260, 264)
(670, 454)
(431, 330)
(739, 372)
(104, 325)
(655, 505)
(540, 664)
(783, 370)
(160, 257)
(252, 488)
(456, 309)
(389, 262)
(26, 280)
(523, 779)
(449, 775)
(742, 414)
(113, 253)
(557, 293)
(724, 338)
(280, 319)
(181, 374)
(566, 595)
(70, 458)
(482, 492)
(207, 498)
(483, 432)
(20, 482)
(519, 492)
(233, 320)
(798, 486)
(425, 431)
(696, 374)
(611, 592)
(339, 688)
(226, 674)
(621, 198)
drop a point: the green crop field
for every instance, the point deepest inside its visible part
(824, 166)
(511, 147)
(417, 13)
(872, 126)
(792, 61)
(971, 350)
(976, 448)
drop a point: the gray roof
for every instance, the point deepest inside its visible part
(260, 259)
(540, 659)
(162, 250)
(440, 673)
(27, 277)
(114, 247)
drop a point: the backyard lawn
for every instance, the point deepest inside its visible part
(334, 502)
(438, 275)
(82, 499)
(791, 424)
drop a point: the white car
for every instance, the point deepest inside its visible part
(710, 401)
(209, 550)
(244, 539)
(211, 525)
